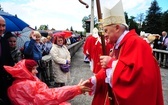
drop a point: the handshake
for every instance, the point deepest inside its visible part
(85, 86)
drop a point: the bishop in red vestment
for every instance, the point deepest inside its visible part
(87, 47)
(132, 73)
(93, 49)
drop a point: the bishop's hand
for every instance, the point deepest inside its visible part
(104, 61)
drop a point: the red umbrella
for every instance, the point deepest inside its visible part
(66, 34)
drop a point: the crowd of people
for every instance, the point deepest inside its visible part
(20, 70)
(159, 42)
(155, 40)
(126, 75)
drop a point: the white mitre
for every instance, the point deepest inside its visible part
(113, 13)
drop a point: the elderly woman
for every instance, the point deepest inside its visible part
(60, 55)
(33, 49)
(47, 44)
(28, 89)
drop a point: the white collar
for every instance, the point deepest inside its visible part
(120, 39)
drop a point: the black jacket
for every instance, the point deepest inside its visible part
(5, 78)
(162, 46)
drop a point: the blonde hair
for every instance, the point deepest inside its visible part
(43, 39)
(36, 33)
(49, 37)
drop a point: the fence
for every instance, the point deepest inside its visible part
(46, 73)
(161, 56)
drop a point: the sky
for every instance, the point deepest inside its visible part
(63, 14)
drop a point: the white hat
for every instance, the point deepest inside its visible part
(142, 33)
(113, 14)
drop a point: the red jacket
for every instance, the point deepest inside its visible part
(28, 89)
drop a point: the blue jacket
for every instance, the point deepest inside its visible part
(47, 47)
(33, 50)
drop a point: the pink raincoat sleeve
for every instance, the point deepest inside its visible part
(38, 93)
(28, 89)
(57, 95)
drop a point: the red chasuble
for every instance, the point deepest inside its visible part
(93, 48)
(136, 79)
(87, 47)
(96, 53)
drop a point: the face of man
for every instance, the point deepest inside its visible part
(111, 33)
(2, 26)
(164, 33)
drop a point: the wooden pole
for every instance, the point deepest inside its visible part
(100, 28)
(103, 44)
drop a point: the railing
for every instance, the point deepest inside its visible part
(73, 48)
(161, 56)
(47, 77)
(46, 73)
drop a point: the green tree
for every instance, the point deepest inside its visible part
(133, 24)
(71, 29)
(164, 21)
(85, 18)
(152, 23)
(83, 21)
(1, 9)
(43, 27)
(126, 17)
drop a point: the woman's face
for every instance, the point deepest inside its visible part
(60, 41)
(38, 39)
(12, 42)
(34, 70)
(44, 40)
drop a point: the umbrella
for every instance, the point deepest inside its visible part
(13, 23)
(67, 34)
(22, 37)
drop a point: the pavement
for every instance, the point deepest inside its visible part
(164, 74)
(81, 70)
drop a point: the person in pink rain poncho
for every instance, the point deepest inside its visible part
(28, 89)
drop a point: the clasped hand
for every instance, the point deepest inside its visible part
(84, 86)
(104, 61)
